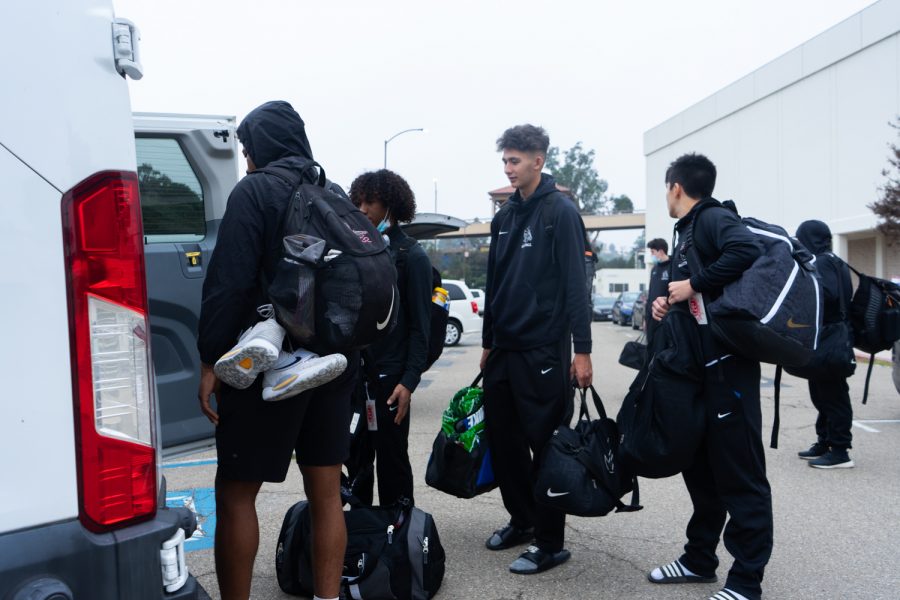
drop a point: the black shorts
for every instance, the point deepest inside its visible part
(255, 439)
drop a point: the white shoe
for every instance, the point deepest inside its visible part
(294, 373)
(256, 351)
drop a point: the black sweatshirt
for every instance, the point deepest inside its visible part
(536, 289)
(725, 246)
(404, 351)
(249, 239)
(834, 275)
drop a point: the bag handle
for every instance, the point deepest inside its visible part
(477, 379)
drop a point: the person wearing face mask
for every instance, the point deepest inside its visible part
(394, 365)
(659, 279)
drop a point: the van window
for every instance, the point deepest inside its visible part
(454, 291)
(171, 196)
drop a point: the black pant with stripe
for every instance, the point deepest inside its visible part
(729, 480)
(527, 395)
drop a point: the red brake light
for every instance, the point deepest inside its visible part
(474, 307)
(108, 317)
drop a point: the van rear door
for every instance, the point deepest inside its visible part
(187, 165)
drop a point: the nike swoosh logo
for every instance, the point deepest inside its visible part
(392, 407)
(552, 494)
(379, 325)
(792, 325)
(545, 371)
(723, 415)
(503, 233)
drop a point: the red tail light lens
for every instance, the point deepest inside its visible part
(115, 433)
(474, 307)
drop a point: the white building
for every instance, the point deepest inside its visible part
(806, 136)
(609, 282)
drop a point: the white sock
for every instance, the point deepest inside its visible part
(335, 598)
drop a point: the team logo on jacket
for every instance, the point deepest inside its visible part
(526, 238)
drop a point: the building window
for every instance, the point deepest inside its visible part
(615, 288)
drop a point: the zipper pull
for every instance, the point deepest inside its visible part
(390, 532)
(425, 549)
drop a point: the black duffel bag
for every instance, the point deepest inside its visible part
(392, 552)
(634, 353)
(578, 472)
(662, 420)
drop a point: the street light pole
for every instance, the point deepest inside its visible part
(435, 195)
(396, 135)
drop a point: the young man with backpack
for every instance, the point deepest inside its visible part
(659, 278)
(728, 479)
(255, 439)
(536, 308)
(394, 365)
(831, 395)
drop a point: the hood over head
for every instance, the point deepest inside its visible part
(815, 235)
(272, 131)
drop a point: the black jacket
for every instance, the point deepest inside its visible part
(724, 245)
(405, 350)
(249, 239)
(834, 275)
(659, 286)
(535, 291)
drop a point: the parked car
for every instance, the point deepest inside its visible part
(464, 318)
(639, 312)
(602, 307)
(83, 496)
(621, 311)
(479, 298)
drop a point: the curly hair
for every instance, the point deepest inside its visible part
(524, 138)
(388, 188)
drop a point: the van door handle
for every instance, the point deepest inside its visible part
(194, 258)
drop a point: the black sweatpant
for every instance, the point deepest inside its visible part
(388, 448)
(527, 395)
(729, 479)
(831, 397)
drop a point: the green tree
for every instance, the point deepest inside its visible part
(575, 170)
(888, 206)
(621, 204)
(168, 206)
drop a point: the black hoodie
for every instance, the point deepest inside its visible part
(536, 290)
(834, 275)
(248, 238)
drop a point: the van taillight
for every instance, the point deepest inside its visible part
(110, 335)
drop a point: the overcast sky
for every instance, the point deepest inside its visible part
(599, 72)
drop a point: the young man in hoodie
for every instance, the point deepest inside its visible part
(536, 308)
(728, 478)
(830, 396)
(659, 279)
(255, 438)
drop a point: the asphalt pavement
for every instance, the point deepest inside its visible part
(837, 532)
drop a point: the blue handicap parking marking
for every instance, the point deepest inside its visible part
(203, 502)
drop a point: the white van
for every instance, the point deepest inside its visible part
(82, 510)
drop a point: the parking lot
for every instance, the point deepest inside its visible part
(837, 533)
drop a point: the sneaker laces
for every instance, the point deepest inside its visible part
(266, 311)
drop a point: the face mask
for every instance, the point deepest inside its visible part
(654, 260)
(382, 227)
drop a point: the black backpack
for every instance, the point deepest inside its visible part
(439, 314)
(874, 318)
(662, 421)
(335, 296)
(392, 552)
(773, 313)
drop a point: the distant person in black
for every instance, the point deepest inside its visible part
(536, 308)
(659, 279)
(395, 364)
(830, 396)
(728, 479)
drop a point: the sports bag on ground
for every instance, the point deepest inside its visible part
(439, 315)
(579, 471)
(773, 313)
(460, 461)
(662, 420)
(355, 299)
(392, 552)
(874, 318)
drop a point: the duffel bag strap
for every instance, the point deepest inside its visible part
(776, 419)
